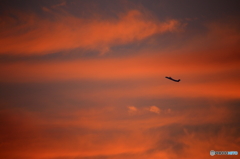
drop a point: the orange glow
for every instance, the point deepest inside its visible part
(79, 86)
(71, 32)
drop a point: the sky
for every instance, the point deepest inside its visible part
(86, 79)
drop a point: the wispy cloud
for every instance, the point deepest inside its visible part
(154, 109)
(91, 132)
(132, 109)
(30, 34)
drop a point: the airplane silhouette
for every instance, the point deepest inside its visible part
(172, 79)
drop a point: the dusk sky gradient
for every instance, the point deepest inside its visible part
(85, 79)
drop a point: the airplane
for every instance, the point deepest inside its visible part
(173, 79)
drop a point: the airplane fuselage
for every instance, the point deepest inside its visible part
(173, 79)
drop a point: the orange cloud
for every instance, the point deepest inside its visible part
(203, 57)
(154, 109)
(111, 132)
(34, 35)
(207, 64)
(132, 110)
(197, 78)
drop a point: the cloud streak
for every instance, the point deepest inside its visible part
(112, 133)
(31, 34)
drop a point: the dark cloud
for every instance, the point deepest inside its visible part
(174, 138)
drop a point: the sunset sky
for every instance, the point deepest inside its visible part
(85, 79)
